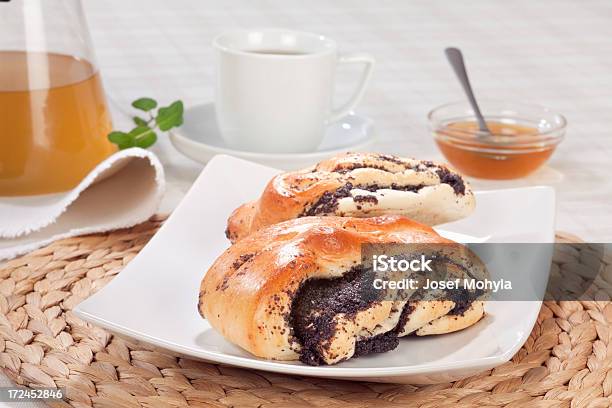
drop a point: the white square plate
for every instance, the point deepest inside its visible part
(154, 299)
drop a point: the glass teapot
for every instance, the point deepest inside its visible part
(54, 118)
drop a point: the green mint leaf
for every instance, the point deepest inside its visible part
(119, 138)
(140, 121)
(139, 131)
(145, 104)
(123, 146)
(171, 116)
(147, 140)
(143, 136)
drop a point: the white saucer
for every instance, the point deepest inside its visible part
(199, 139)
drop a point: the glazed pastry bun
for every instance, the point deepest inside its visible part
(297, 290)
(358, 185)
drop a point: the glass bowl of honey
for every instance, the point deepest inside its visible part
(522, 138)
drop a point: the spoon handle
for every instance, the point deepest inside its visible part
(455, 58)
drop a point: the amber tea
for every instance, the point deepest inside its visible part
(53, 122)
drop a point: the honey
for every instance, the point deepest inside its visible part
(502, 155)
(53, 122)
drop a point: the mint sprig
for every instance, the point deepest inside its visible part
(144, 133)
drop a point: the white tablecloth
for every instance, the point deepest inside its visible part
(554, 53)
(551, 52)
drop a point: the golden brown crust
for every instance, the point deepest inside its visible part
(432, 193)
(247, 293)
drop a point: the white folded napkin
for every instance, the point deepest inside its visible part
(122, 191)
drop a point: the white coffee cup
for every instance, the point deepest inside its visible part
(274, 89)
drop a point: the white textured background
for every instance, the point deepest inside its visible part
(554, 53)
(550, 52)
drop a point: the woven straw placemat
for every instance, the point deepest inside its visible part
(567, 360)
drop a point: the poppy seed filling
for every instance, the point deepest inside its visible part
(328, 202)
(318, 301)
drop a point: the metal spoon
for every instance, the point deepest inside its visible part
(455, 58)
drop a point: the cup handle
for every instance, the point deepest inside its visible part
(360, 58)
